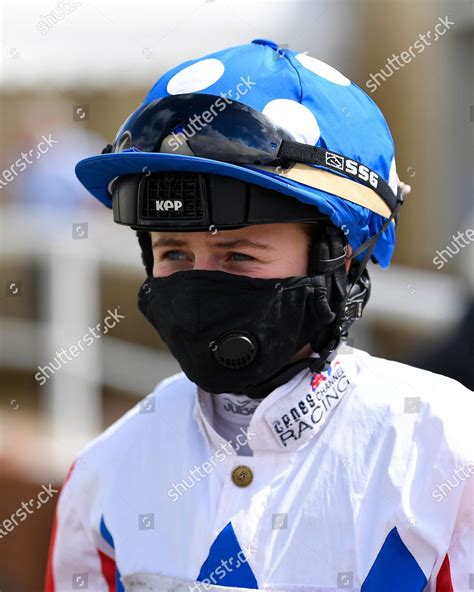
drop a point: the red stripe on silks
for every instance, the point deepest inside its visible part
(49, 585)
(443, 581)
(108, 570)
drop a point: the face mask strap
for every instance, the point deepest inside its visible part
(355, 300)
(144, 240)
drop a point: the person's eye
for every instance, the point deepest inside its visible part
(241, 257)
(174, 255)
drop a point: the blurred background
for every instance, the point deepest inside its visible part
(71, 72)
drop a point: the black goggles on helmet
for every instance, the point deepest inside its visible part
(217, 128)
(213, 127)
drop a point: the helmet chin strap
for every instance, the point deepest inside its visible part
(350, 309)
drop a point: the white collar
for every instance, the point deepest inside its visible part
(291, 415)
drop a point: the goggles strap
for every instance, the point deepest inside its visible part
(338, 163)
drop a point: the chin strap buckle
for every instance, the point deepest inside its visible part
(353, 310)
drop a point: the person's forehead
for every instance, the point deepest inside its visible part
(224, 239)
(267, 229)
(260, 236)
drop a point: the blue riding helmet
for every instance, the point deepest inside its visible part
(272, 117)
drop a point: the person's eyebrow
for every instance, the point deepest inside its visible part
(242, 242)
(165, 241)
(228, 244)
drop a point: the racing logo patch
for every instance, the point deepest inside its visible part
(300, 416)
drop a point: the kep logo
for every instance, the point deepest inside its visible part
(163, 205)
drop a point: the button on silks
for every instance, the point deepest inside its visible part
(242, 476)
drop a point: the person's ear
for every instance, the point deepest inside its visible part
(348, 260)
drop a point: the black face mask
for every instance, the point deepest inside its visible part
(232, 333)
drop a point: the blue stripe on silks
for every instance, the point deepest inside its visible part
(226, 564)
(104, 531)
(108, 538)
(394, 569)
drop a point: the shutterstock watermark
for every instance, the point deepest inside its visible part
(199, 121)
(458, 242)
(58, 13)
(461, 473)
(62, 356)
(27, 158)
(224, 567)
(197, 473)
(26, 509)
(397, 61)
